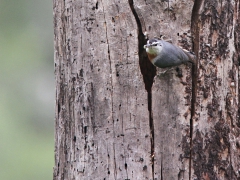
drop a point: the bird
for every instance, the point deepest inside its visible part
(163, 54)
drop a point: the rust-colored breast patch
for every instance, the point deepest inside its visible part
(151, 57)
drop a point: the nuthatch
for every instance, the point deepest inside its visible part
(164, 54)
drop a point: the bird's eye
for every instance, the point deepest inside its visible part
(154, 44)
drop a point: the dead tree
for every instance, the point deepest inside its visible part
(118, 118)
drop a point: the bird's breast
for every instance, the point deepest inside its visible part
(151, 57)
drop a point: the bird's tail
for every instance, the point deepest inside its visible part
(191, 55)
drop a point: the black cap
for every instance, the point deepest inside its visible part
(152, 41)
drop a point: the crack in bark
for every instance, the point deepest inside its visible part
(195, 34)
(115, 164)
(161, 169)
(148, 71)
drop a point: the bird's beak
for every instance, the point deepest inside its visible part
(146, 46)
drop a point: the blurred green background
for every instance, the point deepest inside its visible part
(26, 90)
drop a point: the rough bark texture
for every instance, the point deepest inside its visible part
(119, 118)
(171, 92)
(102, 118)
(216, 121)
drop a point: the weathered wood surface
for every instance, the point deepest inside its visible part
(172, 91)
(116, 120)
(216, 128)
(102, 118)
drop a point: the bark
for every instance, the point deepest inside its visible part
(118, 117)
(216, 122)
(102, 116)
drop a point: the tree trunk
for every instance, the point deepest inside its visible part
(118, 117)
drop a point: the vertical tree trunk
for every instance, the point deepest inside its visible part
(117, 117)
(215, 148)
(102, 118)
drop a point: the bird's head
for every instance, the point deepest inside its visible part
(153, 48)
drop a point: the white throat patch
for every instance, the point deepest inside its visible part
(154, 49)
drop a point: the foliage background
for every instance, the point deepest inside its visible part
(26, 90)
